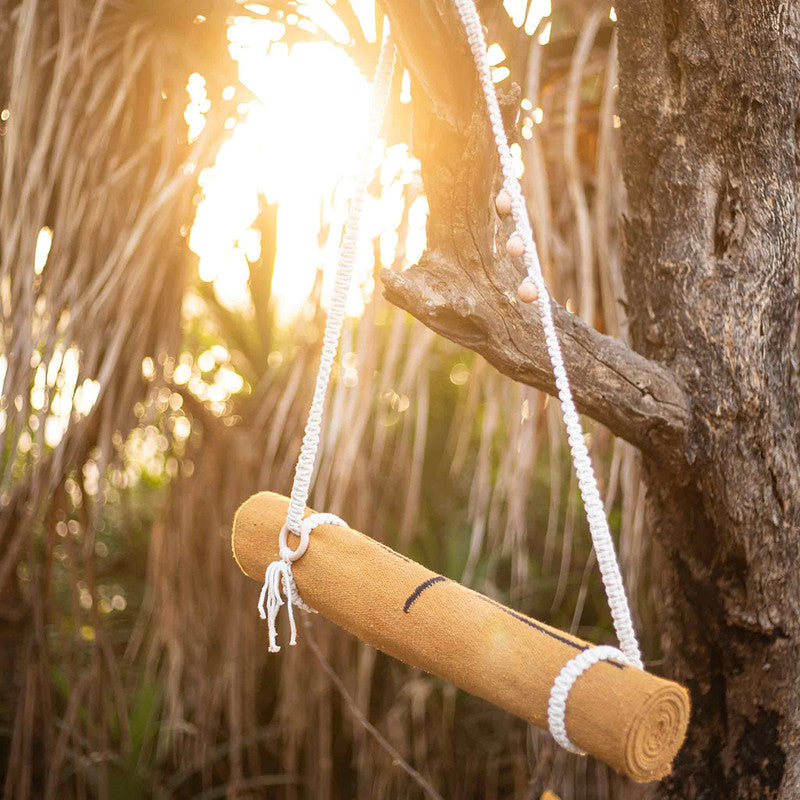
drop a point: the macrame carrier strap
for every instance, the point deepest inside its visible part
(279, 574)
(587, 483)
(344, 272)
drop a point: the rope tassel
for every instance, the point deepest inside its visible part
(278, 575)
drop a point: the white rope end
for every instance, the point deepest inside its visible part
(277, 576)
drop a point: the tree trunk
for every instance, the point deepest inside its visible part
(710, 106)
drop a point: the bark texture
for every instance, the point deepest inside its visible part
(465, 287)
(469, 296)
(710, 106)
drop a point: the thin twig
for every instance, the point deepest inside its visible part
(359, 715)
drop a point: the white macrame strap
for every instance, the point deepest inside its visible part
(278, 575)
(587, 483)
(344, 272)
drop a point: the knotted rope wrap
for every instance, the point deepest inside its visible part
(565, 680)
(279, 574)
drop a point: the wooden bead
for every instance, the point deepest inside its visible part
(503, 203)
(515, 246)
(527, 291)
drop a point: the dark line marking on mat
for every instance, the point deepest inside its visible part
(542, 629)
(532, 623)
(393, 552)
(420, 589)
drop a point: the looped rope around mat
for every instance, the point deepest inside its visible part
(306, 526)
(562, 686)
(279, 576)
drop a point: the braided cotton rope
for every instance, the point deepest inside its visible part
(598, 525)
(587, 483)
(344, 271)
(278, 575)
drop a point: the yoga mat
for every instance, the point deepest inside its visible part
(632, 720)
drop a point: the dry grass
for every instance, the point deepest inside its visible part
(472, 479)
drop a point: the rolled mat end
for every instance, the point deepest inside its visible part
(657, 733)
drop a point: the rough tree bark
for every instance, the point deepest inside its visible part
(710, 104)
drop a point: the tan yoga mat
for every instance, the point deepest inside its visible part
(631, 720)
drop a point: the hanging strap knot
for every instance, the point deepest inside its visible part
(279, 577)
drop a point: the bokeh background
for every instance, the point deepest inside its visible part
(175, 178)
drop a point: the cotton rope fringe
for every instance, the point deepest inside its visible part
(278, 575)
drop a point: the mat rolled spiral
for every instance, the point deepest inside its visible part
(631, 720)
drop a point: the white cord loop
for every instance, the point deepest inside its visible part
(279, 577)
(562, 685)
(587, 483)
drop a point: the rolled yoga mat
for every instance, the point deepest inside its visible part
(633, 721)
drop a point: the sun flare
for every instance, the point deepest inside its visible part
(297, 146)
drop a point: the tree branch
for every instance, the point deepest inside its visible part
(635, 398)
(465, 286)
